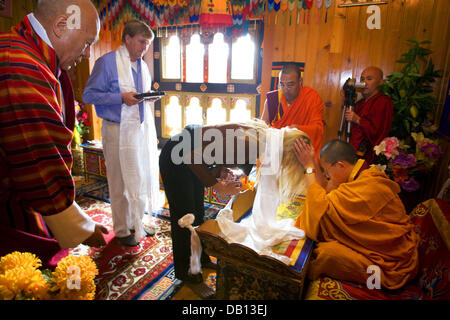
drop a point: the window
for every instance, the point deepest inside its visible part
(171, 58)
(241, 110)
(227, 60)
(216, 112)
(208, 78)
(218, 60)
(194, 59)
(183, 108)
(194, 112)
(243, 59)
(172, 115)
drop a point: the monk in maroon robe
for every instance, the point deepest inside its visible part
(372, 117)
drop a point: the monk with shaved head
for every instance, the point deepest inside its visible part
(372, 118)
(70, 35)
(38, 212)
(359, 222)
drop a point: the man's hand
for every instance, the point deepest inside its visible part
(153, 99)
(96, 239)
(351, 116)
(129, 99)
(226, 174)
(304, 153)
(229, 188)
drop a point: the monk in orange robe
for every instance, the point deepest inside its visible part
(295, 105)
(361, 222)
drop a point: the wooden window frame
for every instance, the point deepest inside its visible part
(205, 102)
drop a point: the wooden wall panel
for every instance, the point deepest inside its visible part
(19, 10)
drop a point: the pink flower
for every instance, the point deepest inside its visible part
(391, 147)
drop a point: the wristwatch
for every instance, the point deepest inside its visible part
(309, 170)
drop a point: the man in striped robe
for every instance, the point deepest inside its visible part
(38, 213)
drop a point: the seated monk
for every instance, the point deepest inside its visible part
(360, 222)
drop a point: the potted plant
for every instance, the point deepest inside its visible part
(413, 147)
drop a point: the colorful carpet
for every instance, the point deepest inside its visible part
(144, 272)
(124, 273)
(94, 188)
(162, 288)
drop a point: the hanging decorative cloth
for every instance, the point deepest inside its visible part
(304, 10)
(318, 5)
(291, 6)
(327, 5)
(283, 7)
(299, 7)
(215, 14)
(309, 4)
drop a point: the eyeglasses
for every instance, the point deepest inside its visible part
(288, 85)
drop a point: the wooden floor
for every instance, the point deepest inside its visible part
(186, 293)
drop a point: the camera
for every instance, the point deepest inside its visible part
(351, 84)
(349, 87)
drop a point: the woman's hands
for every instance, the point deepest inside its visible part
(228, 187)
(228, 182)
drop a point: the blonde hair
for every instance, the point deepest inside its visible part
(134, 27)
(290, 180)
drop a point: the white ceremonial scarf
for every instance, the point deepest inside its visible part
(262, 230)
(137, 146)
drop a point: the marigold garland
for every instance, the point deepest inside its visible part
(20, 278)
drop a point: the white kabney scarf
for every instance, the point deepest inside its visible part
(137, 146)
(262, 230)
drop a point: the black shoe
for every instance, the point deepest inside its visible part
(202, 290)
(193, 278)
(148, 231)
(128, 241)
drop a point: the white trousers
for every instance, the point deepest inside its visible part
(120, 206)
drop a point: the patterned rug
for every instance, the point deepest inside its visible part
(139, 273)
(162, 288)
(94, 188)
(125, 272)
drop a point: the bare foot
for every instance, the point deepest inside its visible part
(202, 290)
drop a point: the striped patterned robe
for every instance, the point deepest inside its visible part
(35, 155)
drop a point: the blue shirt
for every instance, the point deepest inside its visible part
(102, 89)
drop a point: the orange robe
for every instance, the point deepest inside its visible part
(306, 112)
(361, 223)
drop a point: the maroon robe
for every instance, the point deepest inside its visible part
(375, 122)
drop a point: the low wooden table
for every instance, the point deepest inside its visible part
(245, 275)
(94, 161)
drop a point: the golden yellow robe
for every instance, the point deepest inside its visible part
(361, 223)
